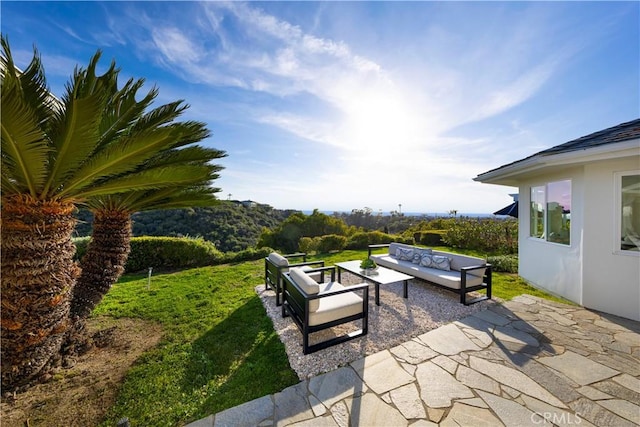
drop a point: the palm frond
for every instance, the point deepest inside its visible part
(150, 179)
(185, 199)
(24, 146)
(160, 116)
(194, 153)
(123, 111)
(33, 84)
(78, 139)
(191, 131)
(116, 159)
(165, 198)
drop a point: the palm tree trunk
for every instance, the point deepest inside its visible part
(104, 261)
(37, 279)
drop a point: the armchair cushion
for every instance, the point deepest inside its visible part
(307, 284)
(335, 307)
(278, 259)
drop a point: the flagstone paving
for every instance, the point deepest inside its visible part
(526, 362)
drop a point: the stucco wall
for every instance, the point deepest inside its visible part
(551, 266)
(611, 278)
(591, 271)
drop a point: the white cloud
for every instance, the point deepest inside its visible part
(175, 46)
(391, 110)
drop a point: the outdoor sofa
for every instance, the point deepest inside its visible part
(458, 273)
(317, 306)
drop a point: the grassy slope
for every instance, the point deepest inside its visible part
(219, 348)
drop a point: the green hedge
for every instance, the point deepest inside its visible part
(504, 263)
(430, 237)
(487, 234)
(169, 253)
(362, 239)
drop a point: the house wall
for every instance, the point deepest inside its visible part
(611, 278)
(550, 266)
(591, 271)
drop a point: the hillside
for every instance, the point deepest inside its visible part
(232, 226)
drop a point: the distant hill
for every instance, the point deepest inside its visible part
(231, 225)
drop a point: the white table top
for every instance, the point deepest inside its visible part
(384, 276)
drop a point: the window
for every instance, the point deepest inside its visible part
(550, 214)
(537, 212)
(630, 212)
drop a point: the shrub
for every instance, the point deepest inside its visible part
(430, 238)
(81, 247)
(249, 254)
(407, 240)
(171, 252)
(504, 263)
(331, 242)
(491, 235)
(308, 244)
(176, 253)
(362, 239)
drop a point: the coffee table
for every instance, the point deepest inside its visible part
(384, 276)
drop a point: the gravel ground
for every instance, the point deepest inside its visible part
(395, 321)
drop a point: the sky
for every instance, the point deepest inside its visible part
(346, 105)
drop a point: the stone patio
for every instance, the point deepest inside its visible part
(526, 362)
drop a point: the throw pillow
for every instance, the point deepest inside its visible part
(441, 262)
(404, 254)
(426, 260)
(418, 254)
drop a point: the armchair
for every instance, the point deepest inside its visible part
(316, 306)
(275, 265)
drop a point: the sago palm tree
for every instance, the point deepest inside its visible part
(56, 154)
(109, 246)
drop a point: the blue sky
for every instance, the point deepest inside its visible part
(343, 105)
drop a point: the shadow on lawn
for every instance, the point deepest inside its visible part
(238, 360)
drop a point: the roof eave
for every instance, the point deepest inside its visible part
(513, 173)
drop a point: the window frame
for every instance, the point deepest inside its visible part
(617, 223)
(545, 217)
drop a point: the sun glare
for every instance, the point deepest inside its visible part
(378, 122)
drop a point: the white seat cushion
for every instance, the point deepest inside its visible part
(336, 307)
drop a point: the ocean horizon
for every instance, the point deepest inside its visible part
(417, 214)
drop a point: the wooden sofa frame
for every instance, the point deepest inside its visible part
(273, 273)
(464, 289)
(295, 303)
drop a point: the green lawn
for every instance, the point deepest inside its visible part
(219, 349)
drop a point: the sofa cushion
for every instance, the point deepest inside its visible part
(307, 284)
(278, 259)
(450, 279)
(459, 261)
